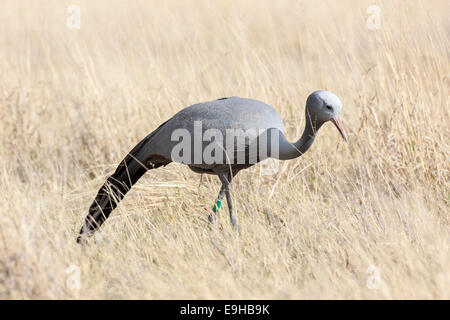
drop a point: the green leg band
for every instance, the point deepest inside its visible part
(217, 205)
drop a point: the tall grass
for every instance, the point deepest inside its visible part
(365, 220)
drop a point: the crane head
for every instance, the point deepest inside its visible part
(323, 106)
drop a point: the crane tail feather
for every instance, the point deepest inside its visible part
(130, 169)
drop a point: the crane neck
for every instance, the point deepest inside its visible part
(290, 150)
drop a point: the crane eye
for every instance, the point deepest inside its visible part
(329, 107)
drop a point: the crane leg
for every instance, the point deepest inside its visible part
(226, 179)
(213, 216)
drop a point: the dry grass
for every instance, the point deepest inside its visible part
(74, 102)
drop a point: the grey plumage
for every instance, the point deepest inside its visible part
(234, 113)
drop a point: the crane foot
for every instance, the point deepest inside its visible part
(212, 218)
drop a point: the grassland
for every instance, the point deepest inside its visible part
(365, 220)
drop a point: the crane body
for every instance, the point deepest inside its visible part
(219, 137)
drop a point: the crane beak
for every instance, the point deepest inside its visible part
(338, 123)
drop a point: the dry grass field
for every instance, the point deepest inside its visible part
(369, 219)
